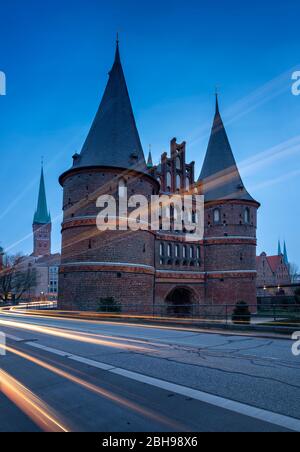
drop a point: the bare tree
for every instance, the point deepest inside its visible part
(294, 272)
(16, 278)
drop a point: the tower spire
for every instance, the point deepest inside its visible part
(117, 55)
(113, 140)
(217, 101)
(42, 215)
(285, 254)
(279, 248)
(150, 160)
(220, 177)
(42, 223)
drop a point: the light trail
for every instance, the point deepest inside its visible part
(181, 328)
(92, 317)
(37, 410)
(99, 391)
(75, 336)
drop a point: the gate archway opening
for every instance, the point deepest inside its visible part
(180, 302)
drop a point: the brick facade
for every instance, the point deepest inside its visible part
(143, 268)
(41, 239)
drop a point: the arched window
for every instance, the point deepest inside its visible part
(169, 180)
(178, 163)
(161, 249)
(175, 214)
(169, 250)
(177, 251)
(217, 215)
(184, 252)
(247, 215)
(187, 184)
(122, 188)
(198, 253)
(191, 252)
(178, 182)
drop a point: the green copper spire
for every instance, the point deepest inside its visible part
(286, 259)
(150, 160)
(42, 216)
(279, 248)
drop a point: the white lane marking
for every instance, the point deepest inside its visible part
(14, 338)
(220, 402)
(54, 351)
(91, 362)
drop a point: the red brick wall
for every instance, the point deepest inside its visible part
(224, 274)
(230, 289)
(82, 286)
(41, 239)
(84, 290)
(230, 247)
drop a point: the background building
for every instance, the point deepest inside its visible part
(273, 273)
(45, 264)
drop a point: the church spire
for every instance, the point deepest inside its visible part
(117, 55)
(113, 140)
(150, 160)
(220, 177)
(217, 103)
(42, 215)
(279, 248)
(285, 254)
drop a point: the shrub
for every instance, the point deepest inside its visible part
(109, 305)
(297, 296)
(241, 314)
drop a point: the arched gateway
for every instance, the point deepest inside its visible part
(180, 302)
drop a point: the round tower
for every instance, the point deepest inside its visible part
(230, 224)
(119, 264)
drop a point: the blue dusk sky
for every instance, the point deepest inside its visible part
(56, 56)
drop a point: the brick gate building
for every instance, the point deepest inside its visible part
(147, 268)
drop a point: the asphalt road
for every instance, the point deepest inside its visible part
(73, 375)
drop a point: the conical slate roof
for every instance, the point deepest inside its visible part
(113, 140)
(42, 215)
(220, 177)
